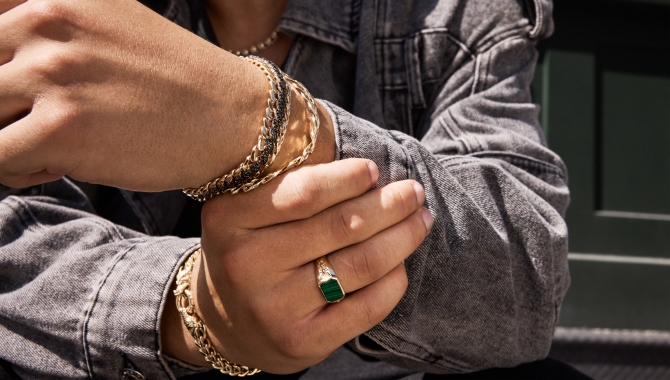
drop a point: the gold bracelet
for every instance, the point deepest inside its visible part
(197, 328)
(234, 182)
(309, 149)
(269, 142)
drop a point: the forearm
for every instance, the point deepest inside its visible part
(486, 285)
(76, 292)
(137, 103)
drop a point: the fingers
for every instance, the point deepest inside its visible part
(340, 322)
(6, 5)
(364, 263)
(344, 224)
(11, 28)
(299, 194)
(361, 264)
(15, 97)
(24, 151)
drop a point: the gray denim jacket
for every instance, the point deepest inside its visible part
(433, 90)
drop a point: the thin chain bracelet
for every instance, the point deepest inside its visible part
(269, 142)
(313, 133)
(197, 328)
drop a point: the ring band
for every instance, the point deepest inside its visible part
(327, 280)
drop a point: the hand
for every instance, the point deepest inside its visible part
(110, 92)
(255, 287)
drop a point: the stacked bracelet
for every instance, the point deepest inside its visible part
(251, 173)
(269, 143)
(313, 133)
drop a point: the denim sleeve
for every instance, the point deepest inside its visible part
(486, 285)
(76, 298)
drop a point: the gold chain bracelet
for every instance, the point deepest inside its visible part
(249, 175)
(309, 149)
(197, 328)
(269, 142)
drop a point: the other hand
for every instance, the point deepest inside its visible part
(110, 92)
(256, 287)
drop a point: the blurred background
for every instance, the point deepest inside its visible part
(603, 82)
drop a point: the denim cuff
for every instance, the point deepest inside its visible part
(122, 326)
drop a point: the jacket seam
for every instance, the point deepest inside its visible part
(523, 162)
(409, 169)
(475, 80)
(110, 229)
(434, 357)
(89, 311)
(527, 164)
(335, 37)
(489, 43)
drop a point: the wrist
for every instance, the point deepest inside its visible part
(176, 341)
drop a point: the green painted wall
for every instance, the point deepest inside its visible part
(603, 82)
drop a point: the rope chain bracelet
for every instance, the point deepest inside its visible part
(269, 143)
(249, 174)
(197, 328)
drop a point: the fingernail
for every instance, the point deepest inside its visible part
(420, 193)
(427, 218)
(374, 171)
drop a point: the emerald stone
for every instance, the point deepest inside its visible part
(332, 290)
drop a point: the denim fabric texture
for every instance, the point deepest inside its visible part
(434, 90)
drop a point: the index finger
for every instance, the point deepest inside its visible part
(6, 5)
(299, 194)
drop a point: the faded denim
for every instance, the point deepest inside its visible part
(433, 90)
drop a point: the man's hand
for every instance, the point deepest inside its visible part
(255, 286)
(110, 92)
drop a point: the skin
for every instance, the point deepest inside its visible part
(128, 101)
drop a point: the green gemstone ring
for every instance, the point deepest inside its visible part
(327, 280)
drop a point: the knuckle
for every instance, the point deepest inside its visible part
(345, 224)
(48, 12)
(305, 192)
(59, 119)
(367, 265)
(64, 116)
(57, 62)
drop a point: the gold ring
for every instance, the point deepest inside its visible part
(327, 280)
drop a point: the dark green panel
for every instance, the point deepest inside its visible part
(618, 296)
(569, 115)
(604, 97)
(635, 142)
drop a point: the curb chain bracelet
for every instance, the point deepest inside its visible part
(249, 174)
(269, 143)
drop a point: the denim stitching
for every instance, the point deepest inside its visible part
(434, 358)
(87, 316)
(475, 80)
